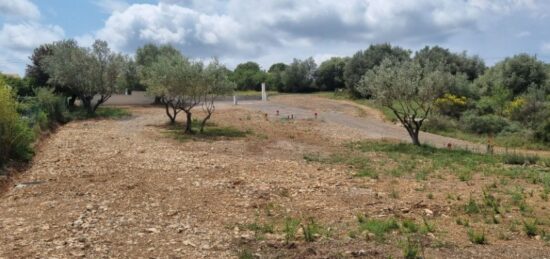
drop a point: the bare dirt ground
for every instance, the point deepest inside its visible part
(126, 189)
(364, 121)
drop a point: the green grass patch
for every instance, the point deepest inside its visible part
(312, 230)
(101, 113)
(530, 228)
(381, 159)
(367, 172)
(409, 226)
(477, 238)
(520, 159)
(212, 131)
(412, 249)
(290, 228)
(516, 140)
(378, 227)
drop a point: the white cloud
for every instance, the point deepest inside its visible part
(545, 48)
(27, 36)
(17, 42)
(19, 9)
(279, 30)
(246, 27)
(192, 31)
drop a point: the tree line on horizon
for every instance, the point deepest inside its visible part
(453, 90)
(431, 89)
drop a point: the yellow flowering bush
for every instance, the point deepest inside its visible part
(451, 105)
(514, 107)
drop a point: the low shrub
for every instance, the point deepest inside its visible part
(542, 133)
(440, 123)
(484, 123)
(44, 110)
(51, 104)
(519, 159)
(451, 105)
(15, 135)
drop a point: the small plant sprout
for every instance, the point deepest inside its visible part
(477, 238)
(530, 228)
(291, 226)
(311, 230)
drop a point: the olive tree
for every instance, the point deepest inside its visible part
(191, 94)
(363, 61)
(179, 83)
(145, 57)
(217, 84)
(407, 89)
(90, 73)
(162, 81)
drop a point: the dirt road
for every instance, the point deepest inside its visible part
(367, 122)
(126, 189)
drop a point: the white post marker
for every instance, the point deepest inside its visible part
(264, 93)
(235, 102)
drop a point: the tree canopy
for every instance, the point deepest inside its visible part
(516, 74)
(368, 59)
(184, 84)
(407, 89)
(248, 76)
(299, 76)
(330, 74)
(86, 72)
(275, 77)
(443, 59)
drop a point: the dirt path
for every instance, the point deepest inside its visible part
(367, 122)
(125, 189)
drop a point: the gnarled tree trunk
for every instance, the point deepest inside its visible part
(189, 123)
(203, 123)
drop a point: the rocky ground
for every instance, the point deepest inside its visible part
(128, 189)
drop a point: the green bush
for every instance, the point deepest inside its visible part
(515, 127)
(15, 135)
(440, 123)
(53, 105)
(542, 133)
(19, 86)
(519, 159)
(44, 110)
(484, 123)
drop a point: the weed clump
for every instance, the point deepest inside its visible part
(530, 228)
(378, 227)
(519, 159)
(477, 238)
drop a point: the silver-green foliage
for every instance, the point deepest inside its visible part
(86, 72)
(184, 84)
(407, 89)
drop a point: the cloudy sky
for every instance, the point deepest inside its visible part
(277, 30)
